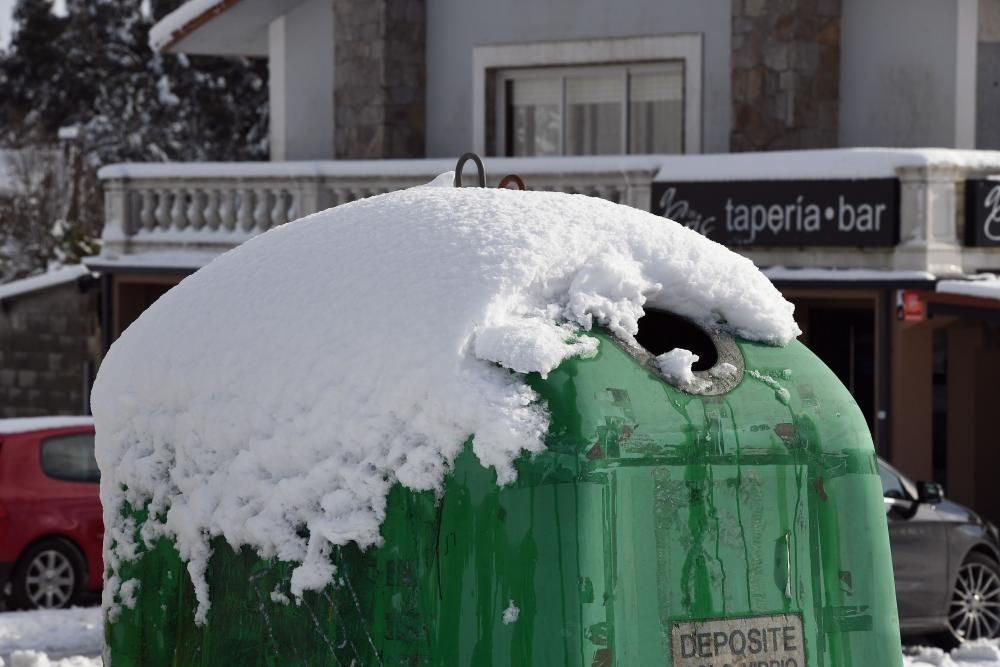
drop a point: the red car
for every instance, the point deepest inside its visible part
(51, 528)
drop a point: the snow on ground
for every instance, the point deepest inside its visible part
(72, 638)
(303, 373)
(57, 638)
(973, 654)
(42, 659)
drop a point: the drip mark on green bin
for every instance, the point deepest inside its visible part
(361, 618)
(340, 617)
(321, 632)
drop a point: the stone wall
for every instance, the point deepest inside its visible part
(49, 342)
(379, 78)
(785, 74)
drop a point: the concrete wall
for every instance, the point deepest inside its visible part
(455, 27)
(907, 75)
(988, 96)
(46, 340)
(301, 86)
(988, 76)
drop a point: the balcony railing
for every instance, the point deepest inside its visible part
(214, 206)
(180, 215)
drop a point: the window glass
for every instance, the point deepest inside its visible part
(656, 111)
(70, 458)
(594, 114)
(607, 110)
(892, 487)
(535, 122)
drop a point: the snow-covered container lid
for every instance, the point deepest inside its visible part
(293, 380)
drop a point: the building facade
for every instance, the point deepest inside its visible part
(743, 119)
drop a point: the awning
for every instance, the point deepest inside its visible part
(978, 297)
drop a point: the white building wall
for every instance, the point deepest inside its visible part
(301, 83)
(456, 27)
(908, 73)
(988, 76)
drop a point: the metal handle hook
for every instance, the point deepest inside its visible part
(479, 165)
(512, 178)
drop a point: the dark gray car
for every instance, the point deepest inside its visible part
(945, 559)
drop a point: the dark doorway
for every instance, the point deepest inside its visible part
(844, 338)
(133, 295)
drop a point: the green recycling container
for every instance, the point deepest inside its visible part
(738, 525)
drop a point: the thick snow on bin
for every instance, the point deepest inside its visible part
(292, 381)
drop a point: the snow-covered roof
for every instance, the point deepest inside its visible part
(834, 163)
(28, 424)
(183, 20)
(780, 273)
(42, 281)
(219, 27)
(333, 356)
(166, 260)
(840, 163)
(424, 167)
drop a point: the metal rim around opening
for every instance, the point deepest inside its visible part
(724, 376)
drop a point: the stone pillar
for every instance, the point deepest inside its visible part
(928, 220)
(116, 232)
(785, 74)
(379, 78)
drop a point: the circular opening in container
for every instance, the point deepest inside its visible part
(660, 331)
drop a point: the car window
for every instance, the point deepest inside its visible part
(70, 458)
(892, 487)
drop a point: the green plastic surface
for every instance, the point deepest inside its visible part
(649, 506)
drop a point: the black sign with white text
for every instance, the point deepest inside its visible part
(785, 213)
(982, 211)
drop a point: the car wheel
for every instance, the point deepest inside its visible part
(974, 611)
(49, 575)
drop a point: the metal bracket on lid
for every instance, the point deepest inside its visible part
(505, 182)
(512, 178)
(461, 165)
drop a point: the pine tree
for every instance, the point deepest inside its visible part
(93, 69)
(33, 77)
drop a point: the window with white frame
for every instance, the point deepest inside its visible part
(596, 110)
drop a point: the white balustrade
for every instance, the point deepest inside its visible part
(215, 206)
(153, 207)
